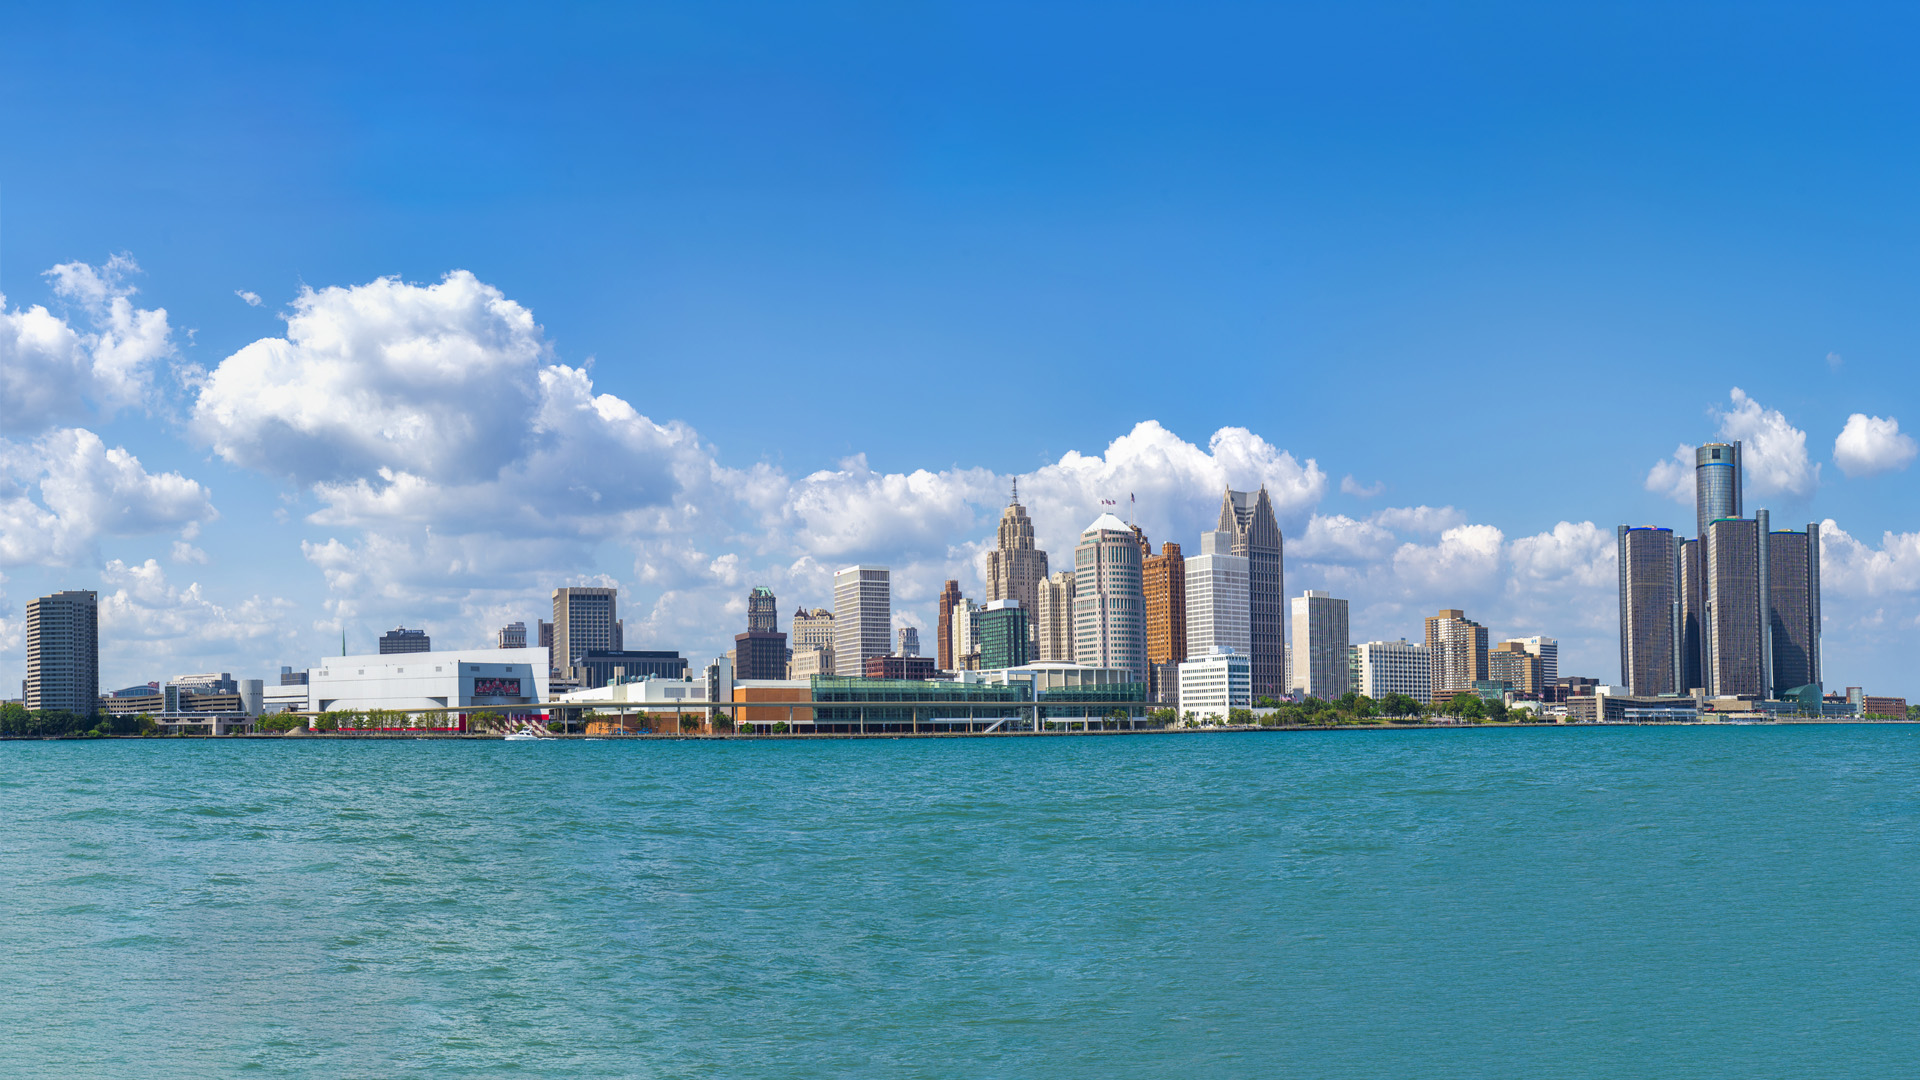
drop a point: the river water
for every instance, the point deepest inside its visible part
(1658, 902)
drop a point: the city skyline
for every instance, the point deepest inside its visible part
(293, 377)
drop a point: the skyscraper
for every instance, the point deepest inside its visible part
(943, 645)
(1739, 642)
(1001, 629)
(966, 636)
(583, 622)
(1321, 664)
(1650, 611)
(63, 652)
(862, 616)
(909, 641)
(1217, 612)
(1717, 483)
(1054, 619)
(1456, 653)
(812, 643)
(1693, 616)
(1163, 584)
(1511, 663)
(1015, 568)
(761, 652)
(512, 636)
(1794, 608)
(1109, 610)
(1248, 518)
(763, 613)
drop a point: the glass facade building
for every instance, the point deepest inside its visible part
(1650, 616)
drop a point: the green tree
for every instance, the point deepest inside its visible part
(283, 722)
(1497, 711)
(1240, 716)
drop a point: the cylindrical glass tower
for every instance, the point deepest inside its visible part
(1716, 483)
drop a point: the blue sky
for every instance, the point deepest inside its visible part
(1495, 261)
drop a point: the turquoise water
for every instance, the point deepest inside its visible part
(1668, 902)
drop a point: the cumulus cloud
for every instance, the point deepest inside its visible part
(251, 298)
(85, 490)
(51, 370)
(1577, 553)
(1851, 568)
(1339, 538)
(1870, 444)
(1350, 486)
(1419, 519)
(437, 381)
(1465, 559)
(1774, 455)
(147, 618)
(1673, 477)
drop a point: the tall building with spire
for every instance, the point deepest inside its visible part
(1248, 518)
(1015, 568)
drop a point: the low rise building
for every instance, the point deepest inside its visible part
(449, 680)
(1213, 685)
(1613, 705)
(1895, 707)
(1393, 667)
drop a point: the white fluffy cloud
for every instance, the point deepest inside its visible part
(52, 371)
(1870, 444)
(1673, 477)
(1851, 568)
(437, 381)
(85, 490)
(1774, 455)
(150, 620)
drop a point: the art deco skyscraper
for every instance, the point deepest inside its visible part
(1015, 568)
(63, 652)
(761, 652)
(1109, 609)
(1248, 518)
(1649, 610)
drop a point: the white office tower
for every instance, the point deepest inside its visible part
(1212, 684)
(862, 616)
(1053, 618)
(966, 635)
(1219, 615)
(1393, 667)
(1548, 650)
(1319, 649)
(1109, 609)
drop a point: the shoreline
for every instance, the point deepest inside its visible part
(375, 736)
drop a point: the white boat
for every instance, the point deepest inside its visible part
(525, 735)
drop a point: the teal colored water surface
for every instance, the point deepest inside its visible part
(1668, 902)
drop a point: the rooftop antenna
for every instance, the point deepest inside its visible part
(343, 639)
(1016, 491)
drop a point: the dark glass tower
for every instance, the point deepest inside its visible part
(1649, 610)
(1739, 646)
(1794, 608)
